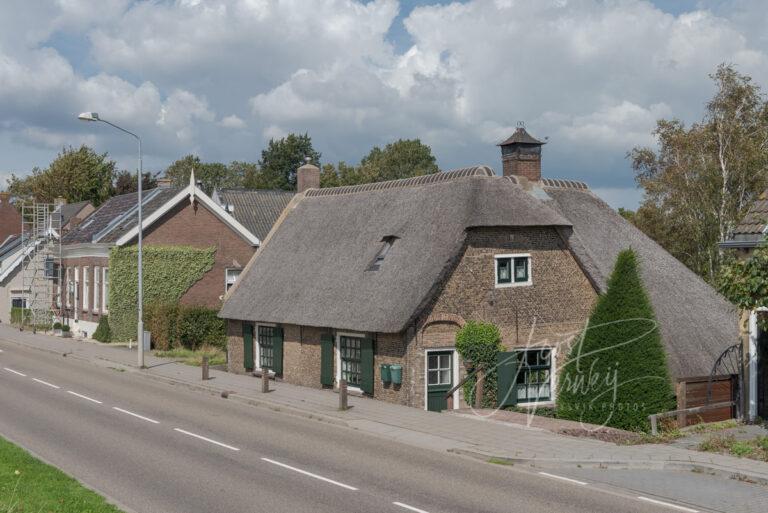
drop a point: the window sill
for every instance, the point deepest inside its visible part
(536, 404)
(518, 284)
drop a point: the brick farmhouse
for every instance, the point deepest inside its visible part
(354, 278)
(172, 216)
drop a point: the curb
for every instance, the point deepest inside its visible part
(551, 463)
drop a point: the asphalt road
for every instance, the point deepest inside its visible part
(152, 447)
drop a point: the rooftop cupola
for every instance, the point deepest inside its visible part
(521, 155)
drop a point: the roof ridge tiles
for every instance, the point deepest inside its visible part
(439, 177)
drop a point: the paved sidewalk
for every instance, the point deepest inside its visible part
(470, 435)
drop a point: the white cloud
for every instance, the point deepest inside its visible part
(625, 197)
(593, 75)
(232, 122)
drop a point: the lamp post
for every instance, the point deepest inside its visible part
(93, 116)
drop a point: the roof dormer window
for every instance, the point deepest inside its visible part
(382, 254)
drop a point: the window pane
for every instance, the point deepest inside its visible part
(445, 361)
(432, 361)
(445, 377)
(504, 270)
(432, 377)
(521, 269)
(349, 350)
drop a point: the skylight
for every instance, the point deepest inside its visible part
(387, 243)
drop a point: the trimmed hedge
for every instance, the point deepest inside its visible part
(616, 374)
(169, 271)
(480, 343)
(103, 333)
(190, 327)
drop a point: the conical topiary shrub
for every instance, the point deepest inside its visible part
(616, 373)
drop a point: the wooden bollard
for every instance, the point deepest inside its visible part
(205, 368)
(264, 380)
(343, 404)
(479, 385)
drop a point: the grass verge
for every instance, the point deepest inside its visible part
(189, 357)
(755, 448)
(28, 484)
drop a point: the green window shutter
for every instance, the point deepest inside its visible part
(277, 347)
(506, 374)
(326, 359)
(248, 346)
(366, 365)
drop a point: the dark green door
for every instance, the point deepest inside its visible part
(248, 346)
(439, 379)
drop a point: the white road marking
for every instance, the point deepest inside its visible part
(310, 474)
(46, 383)
(15, 372)
(406, 506)
(553, 476)
(207, 439)
(667, 504)
(81, 396)
(135, 415)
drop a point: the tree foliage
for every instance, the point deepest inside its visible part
(76, 175)
(616, 373)
(403, 158)
(211, 175)
(280, 160)
(745, 281)
(480, 343)
(702, 178)
(126, 182)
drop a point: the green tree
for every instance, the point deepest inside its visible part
(616, 373)
(480, 343)
(702, 179)
(403, 158)
(76, 175)
(745, 281)
(125, 182)
(280, 160)
(212, 175)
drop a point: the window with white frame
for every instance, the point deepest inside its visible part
(18, 302)
(105, 290)
(231, 278)
(534, 375)
(86, 288)
(68, 288)
(513, 270)
(96, 289)
(76, 295)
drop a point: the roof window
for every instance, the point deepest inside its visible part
(387, 243)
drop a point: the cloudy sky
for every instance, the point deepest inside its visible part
(219, 78)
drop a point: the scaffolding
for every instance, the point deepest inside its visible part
(41, 265)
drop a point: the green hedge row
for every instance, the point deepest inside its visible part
(173, 325)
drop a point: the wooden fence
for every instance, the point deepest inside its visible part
(692, 393)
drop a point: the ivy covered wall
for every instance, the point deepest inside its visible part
(169, 271)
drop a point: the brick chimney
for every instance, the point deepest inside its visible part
(5, 197)
(307, 177)
(521, 155)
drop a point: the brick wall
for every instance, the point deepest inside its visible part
(83, 264)
(196, 226)
(528, 166)
(235, 351)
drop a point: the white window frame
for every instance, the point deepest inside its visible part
(17, 295)
(337, 358)
(104, 290)
(77, 294)
(257, 344)
(454, 371)
(513, 283)
(67, 287)
(86, 289)
(226, 278)
(97, 289)
(552, 375)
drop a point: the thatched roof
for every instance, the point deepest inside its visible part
(696, 323)
(312, 269)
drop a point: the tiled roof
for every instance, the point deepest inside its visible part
(521, 136)
(116, 216)
(756, 219)
(69, 210)
(257, 210)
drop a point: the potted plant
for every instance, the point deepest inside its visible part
(65, 332)
(57, 328)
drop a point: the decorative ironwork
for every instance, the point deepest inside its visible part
(730, 363)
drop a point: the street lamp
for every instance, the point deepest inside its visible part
(93, 116)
